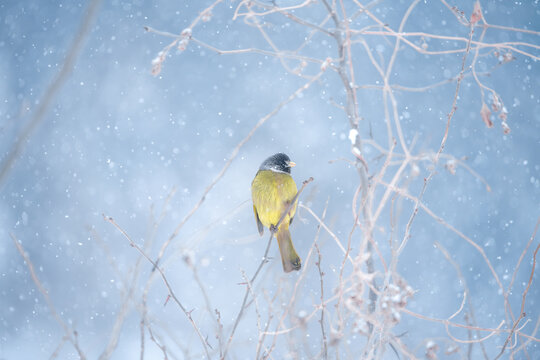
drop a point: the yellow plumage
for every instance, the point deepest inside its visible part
(272, 192)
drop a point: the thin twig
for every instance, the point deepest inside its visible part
(213, 314)
(520, 260)
(169, 288)
(441, 148)
(523, 297)
(321, 274)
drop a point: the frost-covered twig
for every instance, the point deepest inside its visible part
(441, 148)
(324, 350)
(523, 296)
(440, 220)
(214, 314)
(519, 262)
(466, 297)
(166, 282)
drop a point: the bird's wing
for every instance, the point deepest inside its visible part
(260, 226)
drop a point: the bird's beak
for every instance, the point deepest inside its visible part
(292, 164)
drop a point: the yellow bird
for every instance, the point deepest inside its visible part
(272, 190)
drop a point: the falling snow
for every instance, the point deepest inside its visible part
(145, 122)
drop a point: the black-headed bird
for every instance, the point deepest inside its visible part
(272, 190)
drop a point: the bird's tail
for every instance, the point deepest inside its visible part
(289, 257)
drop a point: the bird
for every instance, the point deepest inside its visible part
(272, 191)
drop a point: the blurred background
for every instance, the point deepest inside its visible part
(142, 149)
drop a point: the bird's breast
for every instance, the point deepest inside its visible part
(272, 192)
